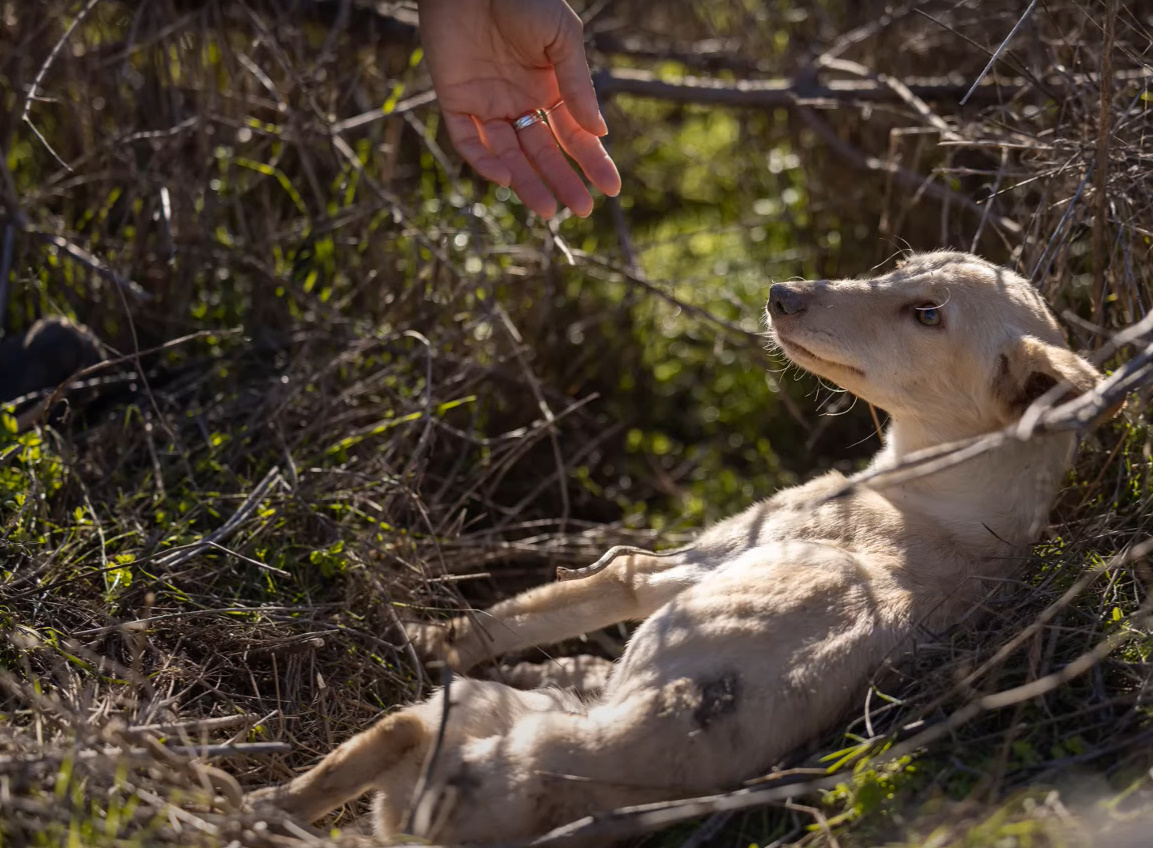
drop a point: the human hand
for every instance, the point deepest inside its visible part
(493, 61)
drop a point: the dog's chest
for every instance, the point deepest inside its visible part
(862, 521)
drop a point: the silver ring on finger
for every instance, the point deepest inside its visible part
(536, 116)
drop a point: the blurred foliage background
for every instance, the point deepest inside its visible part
(348, 383)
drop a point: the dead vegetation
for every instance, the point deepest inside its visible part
(347, 384)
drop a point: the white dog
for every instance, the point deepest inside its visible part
(767, 630)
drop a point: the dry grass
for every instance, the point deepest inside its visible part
(348, 385)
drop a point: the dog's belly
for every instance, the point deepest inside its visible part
(761, 658)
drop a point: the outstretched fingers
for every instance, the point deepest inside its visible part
(530, 162)
(538, 143)
(526, 182)
(586, 150)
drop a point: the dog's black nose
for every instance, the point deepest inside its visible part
(785, 301)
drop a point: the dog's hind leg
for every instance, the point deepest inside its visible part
(390, 755)
(552, 768)
(582, 673)
(352, 769)
(630, 587)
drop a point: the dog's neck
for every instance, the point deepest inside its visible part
(1000, 497)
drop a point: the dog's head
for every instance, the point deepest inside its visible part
(947, 339)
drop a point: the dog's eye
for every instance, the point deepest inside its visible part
(929, 315)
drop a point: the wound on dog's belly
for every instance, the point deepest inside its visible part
(719, 697)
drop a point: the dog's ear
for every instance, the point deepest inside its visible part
(1029, 368)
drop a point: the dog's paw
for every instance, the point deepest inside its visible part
(263, 799)
(429, 640)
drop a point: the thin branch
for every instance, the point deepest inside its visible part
(868, 30)
(39, 78)
(643, 818)
(201, 725)
(903, 92)
(997, 54)
(366, 118)
(993, 192)
(421, 808)
(271, 480)
(9, 762)
(88, 260)
(1104, 129)
(788, 93)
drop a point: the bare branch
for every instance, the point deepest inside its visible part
(40, 74)
(9, 762)
(1001, 49)
(1104, 130)
(776, 93)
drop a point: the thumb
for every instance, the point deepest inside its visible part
(567, 54)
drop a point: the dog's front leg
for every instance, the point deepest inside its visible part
(630, 587)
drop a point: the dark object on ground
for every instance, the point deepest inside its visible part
(44, 357)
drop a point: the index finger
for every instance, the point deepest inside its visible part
(567, 53)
